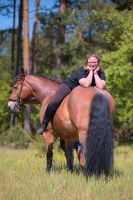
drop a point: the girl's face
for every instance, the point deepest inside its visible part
(92, 63)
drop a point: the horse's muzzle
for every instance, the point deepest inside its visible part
(13, 107)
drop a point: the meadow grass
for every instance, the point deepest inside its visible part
(23, 177)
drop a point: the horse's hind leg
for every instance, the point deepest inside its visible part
(81, 149)
(49, 140)
(69, 155)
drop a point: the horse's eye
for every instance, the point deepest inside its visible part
(15, 86)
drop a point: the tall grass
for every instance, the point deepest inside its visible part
(23, 177)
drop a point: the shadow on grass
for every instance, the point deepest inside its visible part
(126, 144)
(59, 168)
(78, 171)
(116, 173)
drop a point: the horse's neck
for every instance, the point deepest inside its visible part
(42, 88)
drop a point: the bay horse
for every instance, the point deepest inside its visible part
(86, 114)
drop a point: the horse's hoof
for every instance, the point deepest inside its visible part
(48, 170)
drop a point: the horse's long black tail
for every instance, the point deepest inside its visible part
(99, 141)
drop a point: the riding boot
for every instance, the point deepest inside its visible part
(43, 127)
(52, 107)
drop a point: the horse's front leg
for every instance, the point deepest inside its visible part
(69, 155)
(49, 140)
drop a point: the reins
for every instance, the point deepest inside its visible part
(34, 138)
(19, 108)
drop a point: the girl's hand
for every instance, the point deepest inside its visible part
(96, 70)
(89, 68)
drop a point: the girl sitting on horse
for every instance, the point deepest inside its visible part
(88, 75)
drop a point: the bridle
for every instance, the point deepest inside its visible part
(19, 93)
(17, 100)
(18, 105)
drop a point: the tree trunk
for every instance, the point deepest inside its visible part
(61, 33)
(26, 54)
(13, 116)
(13, 40)
(19, 62)
(34, 46)
(80, 37)
(26, 61)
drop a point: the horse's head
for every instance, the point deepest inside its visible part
(18, 93)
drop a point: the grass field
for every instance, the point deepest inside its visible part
(23, 177)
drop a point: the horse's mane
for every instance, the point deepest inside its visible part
(49, 78)
(20, 77)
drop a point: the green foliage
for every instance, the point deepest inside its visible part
(5, 81)
(4, 95)
(119, 69)
(123, 4)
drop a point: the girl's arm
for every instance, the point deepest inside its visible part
(99, 83)
(86, 82)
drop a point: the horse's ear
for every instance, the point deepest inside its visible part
(26, 72)
(21, 72)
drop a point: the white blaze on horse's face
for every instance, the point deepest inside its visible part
(13, 106)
